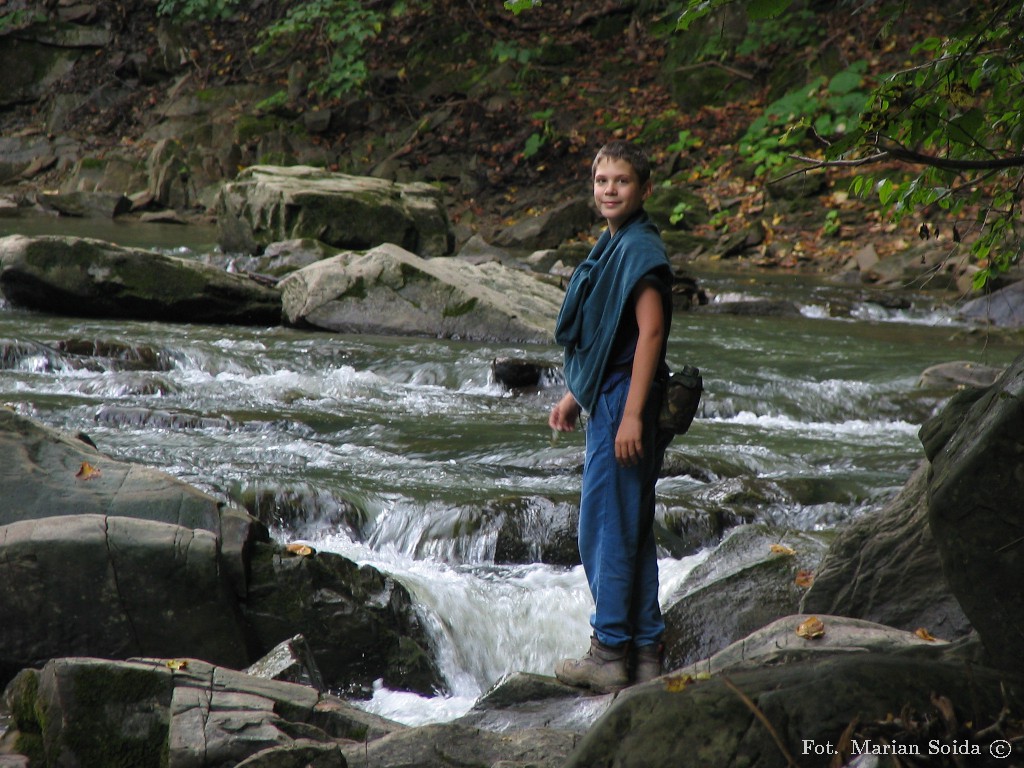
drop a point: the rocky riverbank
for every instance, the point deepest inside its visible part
(778, 668)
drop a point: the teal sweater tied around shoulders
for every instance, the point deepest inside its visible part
(598, 293)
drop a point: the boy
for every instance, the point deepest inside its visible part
(614, 325)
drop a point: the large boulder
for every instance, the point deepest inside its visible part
(976, 509)
(176, 712)
(749, 581)
(83, 277)
(885, 568)
(798, 715)
(361, 624)
(84, 585)
(265, 204)
(48, 473)
(1002, 308)
(781, 642)
(389, 290)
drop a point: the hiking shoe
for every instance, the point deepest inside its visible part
(649, 662)
(602, 669)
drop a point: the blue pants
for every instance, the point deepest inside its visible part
(616, 536)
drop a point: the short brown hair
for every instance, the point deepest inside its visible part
(631, 153)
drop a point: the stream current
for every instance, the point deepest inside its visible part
(407, 438)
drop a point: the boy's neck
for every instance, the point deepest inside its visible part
(612, 229)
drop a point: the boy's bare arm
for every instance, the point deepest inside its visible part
(651, 323)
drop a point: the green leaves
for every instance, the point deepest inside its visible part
(698, 9)
(518, 6)
(342, 28)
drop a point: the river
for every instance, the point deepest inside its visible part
(409, 438)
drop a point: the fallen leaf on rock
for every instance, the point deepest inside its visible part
(924, 634)
(87, 471)
(811, 628)
(804, 578)
(782, 549)
(300, 550)
(677, 683)
(177, 663)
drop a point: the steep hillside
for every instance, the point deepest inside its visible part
(503, 111)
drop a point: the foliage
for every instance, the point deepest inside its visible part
(200, 10)
(756, 9)
(960, 116)
(19, 20)
(341, 28)
(537, 140)
(941, 137)
(826, 107)
(518, 6)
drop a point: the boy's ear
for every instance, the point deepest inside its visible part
(648, 189)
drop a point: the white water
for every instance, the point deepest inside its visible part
(487, 622)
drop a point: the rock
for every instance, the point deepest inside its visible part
(780, 716)
(47, 473)
(976, 510)
(523, 700)
(96, 585)
(448, 744)
(520, 375)
(685, 530)
(98, 186)
(92, 278)
(476, 250)
(265, 204)
(170, 179)
(957, 375)
(745, 574)
(24, 156)
(302, 753)
(778, 643)
(536, 530)
(360, 624)
(177, 712)
(388, 290)
(884, 567)
(549, 229)
(750, 308)
(105, 205)
(32, 68)
(1003, 308)
(927, 266)
(291, 661)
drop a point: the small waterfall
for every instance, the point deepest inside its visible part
(487, 621)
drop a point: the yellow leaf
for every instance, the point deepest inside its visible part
(177, 663)
(924, 634)
(811, 628)
(677, 683)
(301, 550)
(804, 578)
(87, 471)
(782, 549)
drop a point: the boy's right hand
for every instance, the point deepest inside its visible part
(564, 414)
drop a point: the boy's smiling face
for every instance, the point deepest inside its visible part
(618, 193)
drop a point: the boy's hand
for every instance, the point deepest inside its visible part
(628, 446)
(564, 414)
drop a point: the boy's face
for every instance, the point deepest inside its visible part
(618, 193)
